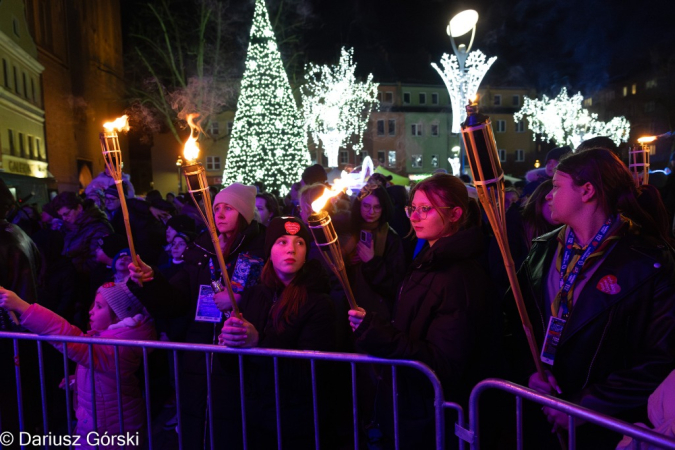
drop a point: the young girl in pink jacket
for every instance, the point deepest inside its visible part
(115, 314)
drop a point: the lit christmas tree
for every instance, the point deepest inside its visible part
(564, 121)
(268, 141)
(336, 106)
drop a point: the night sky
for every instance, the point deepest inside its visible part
(581, 44)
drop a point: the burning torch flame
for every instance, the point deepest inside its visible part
(120, 124)
(473, 99)
(191, 148)
(339, 186)
(646, 139)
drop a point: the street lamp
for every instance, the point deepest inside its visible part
(462, 72)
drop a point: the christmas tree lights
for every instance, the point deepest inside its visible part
(336, 106)
(462, 81)
(564, 121)
(268, 141)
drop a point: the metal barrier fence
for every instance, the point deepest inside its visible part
(574, 412)
(209, 350)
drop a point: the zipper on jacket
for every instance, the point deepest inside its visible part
(602, 338)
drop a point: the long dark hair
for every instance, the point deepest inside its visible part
(271, 204)
(229, 242)
(447, 190)
(292, 297)
(385, 202)
(616, 189)
(534, 223)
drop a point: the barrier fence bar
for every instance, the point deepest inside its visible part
(355, 408)
(276, 401)
(315, 405)
(43, 391)
(148, 412)
(179, 416)
(118, 381)
(243, 400)
(19, 390)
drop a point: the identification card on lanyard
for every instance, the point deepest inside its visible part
(557, 324)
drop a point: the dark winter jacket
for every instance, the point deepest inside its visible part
(443, 319)
(374, 283)
(149, 233)
(82, 238)
(312, 329)
(616, 347)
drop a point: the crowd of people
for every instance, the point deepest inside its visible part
(596, 267)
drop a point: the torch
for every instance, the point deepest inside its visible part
(321, 226)
(481, 149)
(112, 155)
(638, 160)
(195, 179)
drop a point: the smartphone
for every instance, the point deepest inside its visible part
(366, 237)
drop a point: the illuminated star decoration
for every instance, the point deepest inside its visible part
(462, 85)
(564, 121)
(268, 141)
(336, 106)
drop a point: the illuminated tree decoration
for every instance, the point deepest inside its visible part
(462, 85)
(336, 106)
(564, 121)
(268, 141)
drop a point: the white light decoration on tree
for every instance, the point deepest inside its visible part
(336, 106)
(462, 81)
(268, 141)
(564, 121)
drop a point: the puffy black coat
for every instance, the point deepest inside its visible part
(616, 348)
(442, 318)
(82, 239)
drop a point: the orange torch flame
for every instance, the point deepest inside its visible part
(191, 148)
(119, 124)
(339, 186)
(646, 139)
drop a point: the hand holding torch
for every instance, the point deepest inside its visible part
(112, 155)
(481, 149)
(197, 185)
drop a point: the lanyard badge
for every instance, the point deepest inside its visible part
(216, 282)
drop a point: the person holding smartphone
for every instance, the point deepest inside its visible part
(375, 263)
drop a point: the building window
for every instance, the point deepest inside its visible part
(406, 98)
(361, 156)
(215, 128)
(633, 89)
(650, 84)
(434, 98)
(434, 129)
(16, 80)
(22, 147)
(434, 161)
(588, 101)
(497, 100)
(39, 150)
(392, 158)
(392, 127)
(380, 127)
(516, 100)
(32, 89)
(416, 161)
(650, 107)
(344, 157)
(25, 85)
(5, 72)
(381, 155)
(501, 126)
(520, 155)
(625, 91)
(230, 125)
(502, 155)
(15, 27)
(379, 97)
(31, 149)
(416, 129)
(423, 98)
(389, 97)
(213, 163)
(12, 147)
(520, 126)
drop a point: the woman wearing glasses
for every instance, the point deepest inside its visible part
(441, 316)
(376, 261)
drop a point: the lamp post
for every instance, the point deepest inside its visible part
(462, 72)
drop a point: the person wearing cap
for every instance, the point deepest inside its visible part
(115, 314)
(177, 224)
(289, 309)
(239, 232)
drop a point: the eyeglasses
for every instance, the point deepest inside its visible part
(374, 208)
(422, 211)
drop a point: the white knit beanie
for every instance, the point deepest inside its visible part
(240, 197)
(120, 299)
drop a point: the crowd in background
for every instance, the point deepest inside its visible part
(426, 272)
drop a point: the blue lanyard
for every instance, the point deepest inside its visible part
(214, 276)
(566, 284)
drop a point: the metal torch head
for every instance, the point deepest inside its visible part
(481, 148)
(322, 229)
(198, 188)
(638, 163)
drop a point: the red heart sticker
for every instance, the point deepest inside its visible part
(608, 285)
(292, 227)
